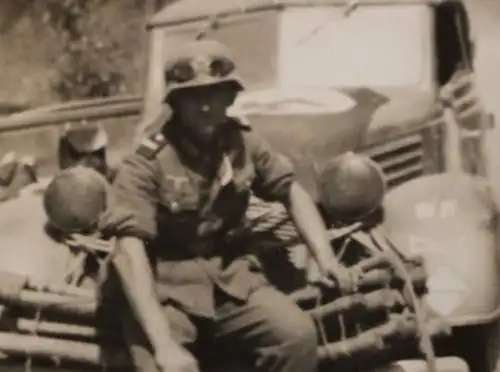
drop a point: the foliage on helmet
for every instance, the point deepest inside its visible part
(199, 63)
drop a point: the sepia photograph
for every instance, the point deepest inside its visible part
(249, 185)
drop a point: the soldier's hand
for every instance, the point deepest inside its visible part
(347, 280)
(176, 359)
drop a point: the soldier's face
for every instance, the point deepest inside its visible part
(95, 160)
(202, 110)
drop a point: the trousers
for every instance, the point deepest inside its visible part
(268, 331)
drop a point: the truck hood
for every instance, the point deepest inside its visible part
(404, 110)
(311, 126)
(23, 235)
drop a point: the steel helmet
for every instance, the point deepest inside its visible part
(351, 187)
(83, 145)
(75, 199)
(86, 139)
(199, 63)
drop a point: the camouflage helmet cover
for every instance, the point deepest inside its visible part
(199, 63)
(75, 198)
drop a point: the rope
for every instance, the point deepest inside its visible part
(340, 318)
(425, 337)
(320, 323)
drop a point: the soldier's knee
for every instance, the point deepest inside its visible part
(142, 359)
(287, 323)
(302, 334)
(297, 350)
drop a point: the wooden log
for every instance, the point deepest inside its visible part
(370, 341)
(312, 292)
(59, 330)
(54, 303)
(418, 277)
(92, 354)
(12, 322)
(375, 278)
(373, 262)
(376, 339)
(376, 300)
(73, 351)
(62, 330)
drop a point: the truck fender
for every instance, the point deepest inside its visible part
(25, 247)
(450, 220)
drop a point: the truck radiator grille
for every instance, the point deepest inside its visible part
(401, 159)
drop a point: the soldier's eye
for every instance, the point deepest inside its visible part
(221, 67)
(181, 72)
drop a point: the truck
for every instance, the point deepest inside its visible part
(391, 80)
(407, 67)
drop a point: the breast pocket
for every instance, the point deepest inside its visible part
(178, 212)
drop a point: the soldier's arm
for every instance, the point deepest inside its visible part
(134, 189)
(276, 182)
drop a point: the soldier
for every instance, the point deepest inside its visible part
(188, 187)
(16, 174)
(85, 146)
(68, 197)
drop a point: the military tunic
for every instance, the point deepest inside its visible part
(186, 204)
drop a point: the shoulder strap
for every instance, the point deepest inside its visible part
(150, 146)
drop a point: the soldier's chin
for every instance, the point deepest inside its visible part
(207, 134)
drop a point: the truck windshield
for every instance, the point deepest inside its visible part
(372, 46)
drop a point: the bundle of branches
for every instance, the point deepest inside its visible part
(63, 322)
(379, 320)
(353, 324)
(370, 321)
(386, 314)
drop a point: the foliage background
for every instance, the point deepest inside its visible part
(34, 53)
(58, 50)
